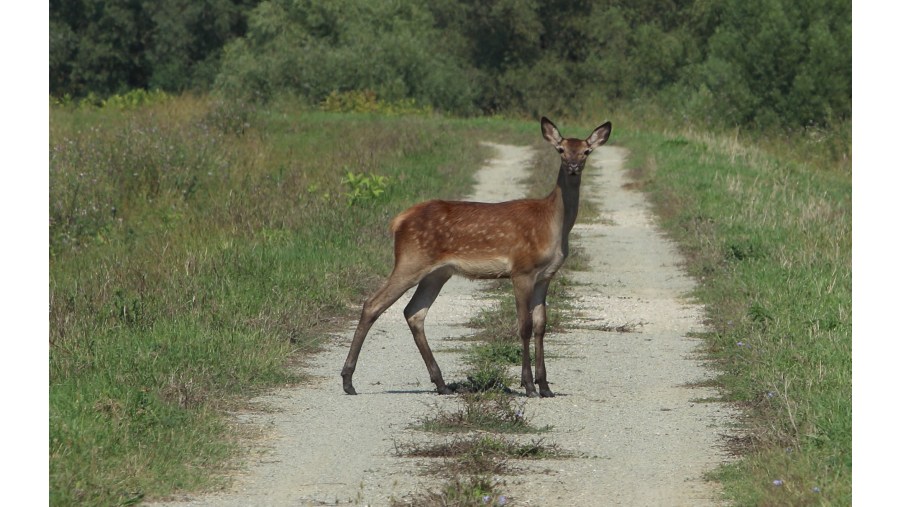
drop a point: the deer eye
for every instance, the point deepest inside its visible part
(560, 149)
(588, 151)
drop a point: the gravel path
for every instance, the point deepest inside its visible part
(622, 403)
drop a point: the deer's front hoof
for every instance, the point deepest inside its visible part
(348, 386)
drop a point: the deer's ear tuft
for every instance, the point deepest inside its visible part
(600, 135)
(550, 132)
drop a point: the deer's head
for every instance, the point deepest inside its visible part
(574, 152)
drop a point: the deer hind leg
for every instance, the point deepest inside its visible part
(539, 318)
(395, 286)
(524, 290)
(415, 313)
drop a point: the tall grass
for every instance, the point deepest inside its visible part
(767, 231)
(196, 248)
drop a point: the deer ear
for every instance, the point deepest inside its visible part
(600, 135)
(551, 133)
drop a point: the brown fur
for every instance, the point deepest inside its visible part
(447, 232)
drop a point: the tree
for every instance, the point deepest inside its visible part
(110, 46)
(779, 63)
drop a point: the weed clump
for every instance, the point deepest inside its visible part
(480, 454)
(493, 411)
(461, 491)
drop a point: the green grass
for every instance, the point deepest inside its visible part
(766, 230)
(198, 249)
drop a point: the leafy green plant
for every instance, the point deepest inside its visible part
(363, 188)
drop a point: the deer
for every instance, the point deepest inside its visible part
(525, 240)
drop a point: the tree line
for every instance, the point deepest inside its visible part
(769, 63)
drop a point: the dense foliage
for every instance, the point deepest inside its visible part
(310, 49)
(781, 63)
(104, 47)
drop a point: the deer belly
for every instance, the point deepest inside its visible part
(494, 267)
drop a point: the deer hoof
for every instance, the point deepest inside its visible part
(348, 388)
(531, 393)
(547, 393)
(444, 390)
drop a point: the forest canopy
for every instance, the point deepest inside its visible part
(773, 63)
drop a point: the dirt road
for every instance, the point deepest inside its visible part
(622, 402)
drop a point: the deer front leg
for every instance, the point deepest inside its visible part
(539, 317)
(524, 289)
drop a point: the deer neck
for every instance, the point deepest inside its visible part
(566, 196)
